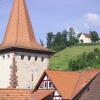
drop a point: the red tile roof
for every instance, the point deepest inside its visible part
(84, 79)
(19, 32)
(69, 83)
(15, 94)
(87, 35)
(41, 94)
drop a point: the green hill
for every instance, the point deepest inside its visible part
(61, 59)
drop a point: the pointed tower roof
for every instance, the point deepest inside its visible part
(19, 32)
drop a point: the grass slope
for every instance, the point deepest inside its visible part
(61, 59)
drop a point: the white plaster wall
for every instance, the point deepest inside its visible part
(25, 69)
(5, 70)
(57, 94)
(85, 40)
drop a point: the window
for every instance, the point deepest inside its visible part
(45, 84)
(29, 57)
(35, 58)
(8, 56)
(50, 84)
(22, 57)
(42, 59)
(3, 57)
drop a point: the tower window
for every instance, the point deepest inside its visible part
(3, 57)
(22, 57)
(8, 56)
(42, 59)
(29, 57)
(36, 58)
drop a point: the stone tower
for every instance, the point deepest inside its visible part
(22, 59)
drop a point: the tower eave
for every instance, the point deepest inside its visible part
(28, 50)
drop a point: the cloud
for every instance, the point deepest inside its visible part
(92, 18)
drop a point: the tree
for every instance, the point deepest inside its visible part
(94, 36)
(58, 39)
(50, 37)
(41, 42)
(85, 60)
(71, 33)
(65, 37)
(78, 35)
(72, 36)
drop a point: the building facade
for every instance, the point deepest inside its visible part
(85, 38)
(22, 58)
(68, 85)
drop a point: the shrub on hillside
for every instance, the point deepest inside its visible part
(85, 60)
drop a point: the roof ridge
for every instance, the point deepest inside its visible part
(77, 83)
(17, 26)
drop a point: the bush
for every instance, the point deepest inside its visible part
(85, 60)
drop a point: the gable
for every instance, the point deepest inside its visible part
(46, 87)
(84, 35)
(46, 83)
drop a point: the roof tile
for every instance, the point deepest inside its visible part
(69, 83)
(19, 32)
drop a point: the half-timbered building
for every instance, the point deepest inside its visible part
(62, 85)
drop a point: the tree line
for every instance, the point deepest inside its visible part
(61, 40)
(66, 38)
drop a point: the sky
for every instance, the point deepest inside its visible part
(56, 15)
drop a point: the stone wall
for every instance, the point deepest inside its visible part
(5, 71)
(30, 67)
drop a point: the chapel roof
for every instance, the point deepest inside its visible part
(87, 35)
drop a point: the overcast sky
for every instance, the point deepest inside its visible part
(56, 15)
